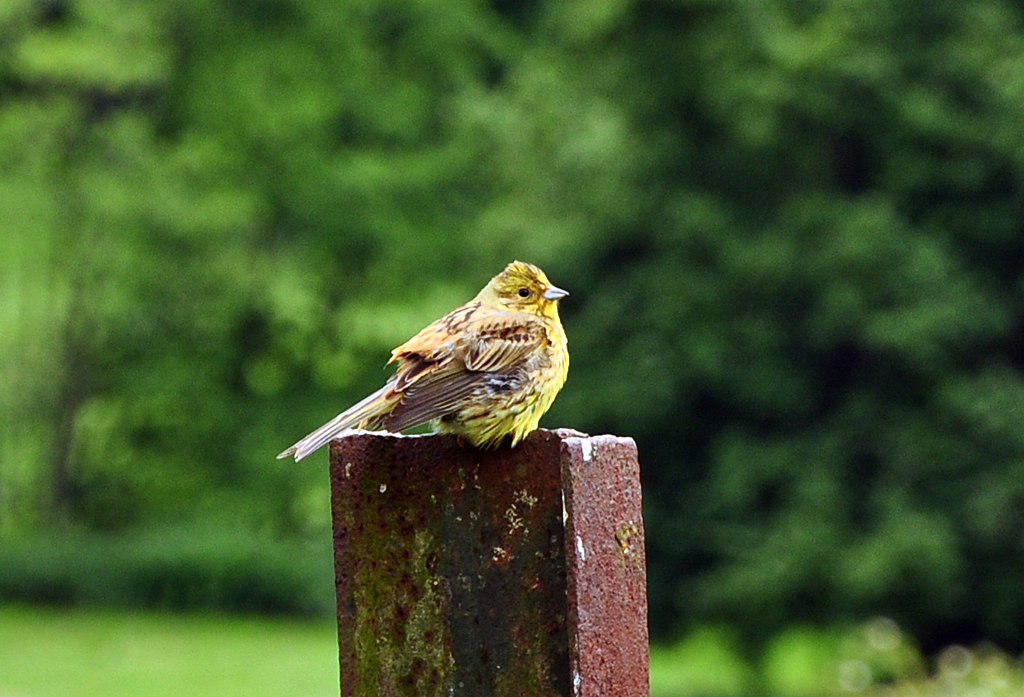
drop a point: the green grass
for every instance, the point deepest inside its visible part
(46, 652)
(98, 653)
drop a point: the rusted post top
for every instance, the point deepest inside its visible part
(507, 572)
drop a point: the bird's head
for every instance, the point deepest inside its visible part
(523, 287)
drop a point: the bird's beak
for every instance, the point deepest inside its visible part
(555, 293)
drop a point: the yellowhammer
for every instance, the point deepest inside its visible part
(486, 370)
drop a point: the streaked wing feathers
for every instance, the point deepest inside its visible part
(433, 398)
(496, 347)
(436, 375)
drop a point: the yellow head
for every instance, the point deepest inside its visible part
(522, 287)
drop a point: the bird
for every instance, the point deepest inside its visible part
(485, 371)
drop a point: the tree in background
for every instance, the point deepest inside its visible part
(791, 231)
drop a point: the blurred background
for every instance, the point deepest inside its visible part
(792, 231)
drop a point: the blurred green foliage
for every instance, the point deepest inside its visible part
(791, 229)
(203, 565)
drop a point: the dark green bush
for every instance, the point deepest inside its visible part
(193, 567)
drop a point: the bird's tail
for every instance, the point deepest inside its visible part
(376, 405)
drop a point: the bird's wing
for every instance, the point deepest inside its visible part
(501, 343)
(438, 339)
(436, 395)
(473, 336)
(440, 375)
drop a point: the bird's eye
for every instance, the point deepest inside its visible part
(524, 292)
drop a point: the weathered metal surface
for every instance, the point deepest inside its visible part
(449, 562)
(607, 577)
(452, 573)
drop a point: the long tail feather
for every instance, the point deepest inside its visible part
(376, 405)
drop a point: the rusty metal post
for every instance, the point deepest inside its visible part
(517, 571)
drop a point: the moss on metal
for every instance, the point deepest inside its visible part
(451, 574)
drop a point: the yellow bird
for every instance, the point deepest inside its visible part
(484, 371)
